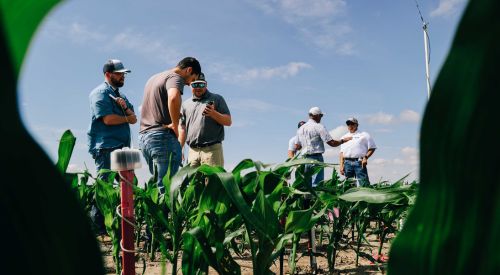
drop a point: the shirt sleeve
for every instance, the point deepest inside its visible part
(291, 144)
(221, 106)
(175, 82)
(101, 104)
(370, 141)
(325, 136)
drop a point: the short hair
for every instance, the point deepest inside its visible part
(190, 62)
(301, 123)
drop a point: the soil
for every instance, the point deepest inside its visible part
(345, 262)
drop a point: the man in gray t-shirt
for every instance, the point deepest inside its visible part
(203, 117)
(158, 135)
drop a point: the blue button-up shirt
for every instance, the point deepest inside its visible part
(100, 135)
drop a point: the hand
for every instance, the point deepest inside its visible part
(364, 162)
(341, 169)
(174, 128)
(209, 110)
(121, 102)
(132, 119)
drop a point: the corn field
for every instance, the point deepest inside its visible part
(213, 216)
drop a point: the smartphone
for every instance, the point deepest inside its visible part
(211, 102)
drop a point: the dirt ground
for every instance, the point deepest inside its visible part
(345, 260)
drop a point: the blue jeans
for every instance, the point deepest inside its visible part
(353, 168)
(162, 150)
(102, 158)
(320, 176)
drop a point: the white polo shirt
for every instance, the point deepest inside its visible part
(291, 144)
(358, 145)
(312, 136)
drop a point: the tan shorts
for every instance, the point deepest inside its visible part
(210, 155)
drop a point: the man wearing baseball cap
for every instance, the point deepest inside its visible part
(355, 153)
(203, 117)
(160, 113)
(311, 138)
(111, 114)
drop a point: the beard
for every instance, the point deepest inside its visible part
(116, 82)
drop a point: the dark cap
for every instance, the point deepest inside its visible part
(301, 123)
(114, 66)
(351, 120)
(201, 79)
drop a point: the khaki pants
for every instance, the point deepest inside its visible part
(210, 155)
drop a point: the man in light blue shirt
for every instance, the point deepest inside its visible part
(111, 115)
(311, 138)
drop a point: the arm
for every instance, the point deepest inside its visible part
(370, 152)
(341, 161)
(222, 119)
(174, 109)
(335, 143)
(129, 113)
(114, 119)
(182, 135)
(291, 154)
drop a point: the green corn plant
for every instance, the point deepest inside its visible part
(339, 216)
(107, 199)
(455, 225)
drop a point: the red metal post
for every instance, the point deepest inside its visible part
(127, 206)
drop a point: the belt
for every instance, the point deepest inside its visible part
(197, 146)
(352, 159)
(313, 154)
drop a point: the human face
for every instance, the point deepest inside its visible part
(352, 127)
(189, 76)
(116, 79)
(198, 91)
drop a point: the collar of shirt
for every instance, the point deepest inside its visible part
(115, 90)
(205, 95)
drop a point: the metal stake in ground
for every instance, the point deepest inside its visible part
(125, 161)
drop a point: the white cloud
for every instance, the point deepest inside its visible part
(127, 39)
(406, 116)
(285, 71)
(409, 116)
(447, 8)
(381, 118)
(338, 132)
(319, 22)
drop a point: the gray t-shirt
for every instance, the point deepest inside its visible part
(201, 129)
(154, 112)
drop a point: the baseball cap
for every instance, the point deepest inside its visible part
(351, 119)
(114, 66)
(315, 111)
(201, 79)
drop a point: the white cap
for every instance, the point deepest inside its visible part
(315, 111)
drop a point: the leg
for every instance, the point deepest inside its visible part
(213, 155)
(163, 151)
(362, 175)
(194, 157)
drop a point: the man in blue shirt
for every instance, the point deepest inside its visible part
(109, 129)
(111, 115)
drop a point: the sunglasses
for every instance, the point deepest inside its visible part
(198, 85)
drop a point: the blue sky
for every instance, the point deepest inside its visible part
(271, 59)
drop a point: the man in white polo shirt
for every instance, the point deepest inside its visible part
(355, 153)
(311, 138)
